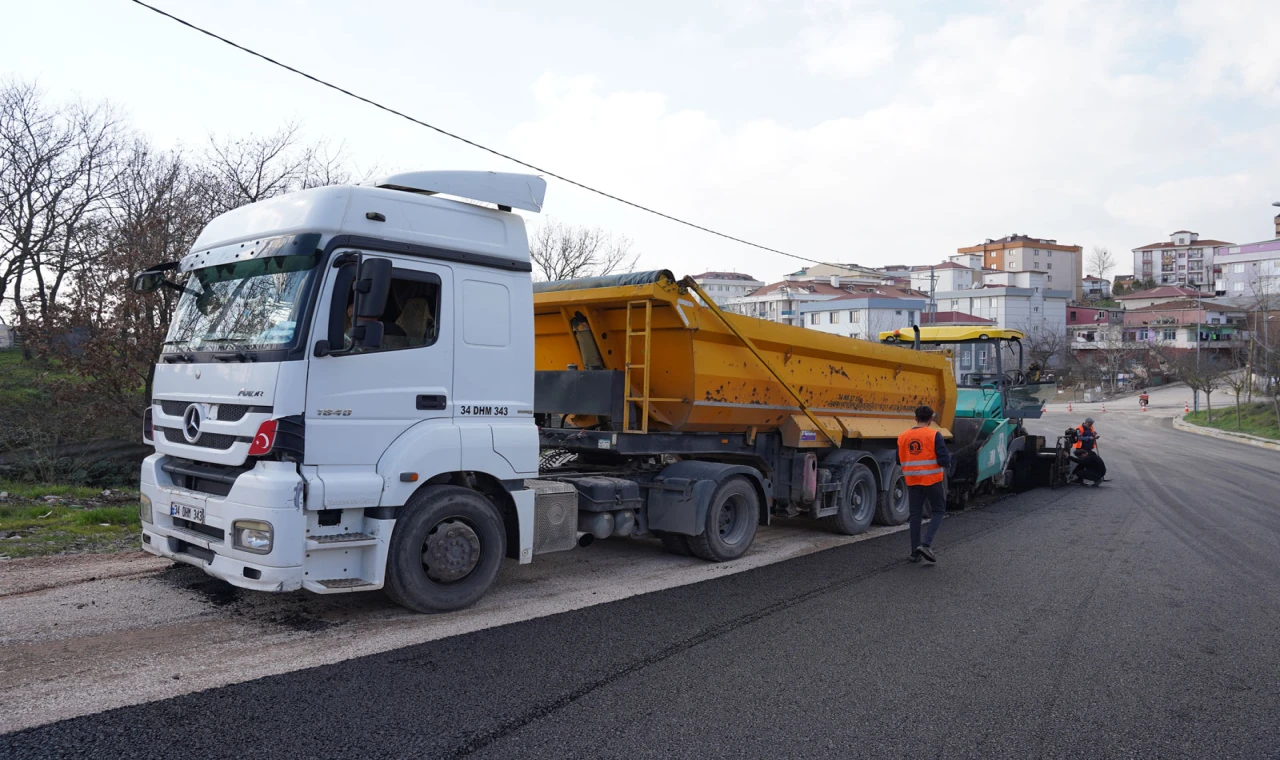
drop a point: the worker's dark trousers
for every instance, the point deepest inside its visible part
(936, 495)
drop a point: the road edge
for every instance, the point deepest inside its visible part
(1245, 438)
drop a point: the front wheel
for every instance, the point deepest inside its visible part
(446, 549)
(731, 522)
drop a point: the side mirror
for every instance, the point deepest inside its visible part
(372, 288)
(148, 282)
(153, 278)
(367, 335)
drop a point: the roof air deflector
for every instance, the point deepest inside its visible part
(522, 191)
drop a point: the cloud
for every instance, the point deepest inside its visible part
(1236, 46)
(853, 47)
(1041, 121)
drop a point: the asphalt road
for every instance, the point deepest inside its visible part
(1137, 619)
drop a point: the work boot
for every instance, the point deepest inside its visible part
(927, 553)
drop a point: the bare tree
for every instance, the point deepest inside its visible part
(564, 252)
(58, 171)
(1044, 343)
(1237, 377)
(1202, 374)
(1101, 261)
(257, 167)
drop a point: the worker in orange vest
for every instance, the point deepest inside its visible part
(1086, 436)
(925, 461)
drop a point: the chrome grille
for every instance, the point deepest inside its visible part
(205, 441)
(232, 412)
(175, 408)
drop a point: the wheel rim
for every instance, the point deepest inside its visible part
(733, 521)
(901, 502)
(451, 552)
(861, 500)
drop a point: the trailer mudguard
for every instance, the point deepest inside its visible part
(681, 494)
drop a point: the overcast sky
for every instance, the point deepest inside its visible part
(850, 131)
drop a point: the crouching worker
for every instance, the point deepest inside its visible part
(1089, 468)
(925, 461)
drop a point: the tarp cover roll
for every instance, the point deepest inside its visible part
(607, 281)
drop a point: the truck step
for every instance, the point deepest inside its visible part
(340, 541)
(338, 585)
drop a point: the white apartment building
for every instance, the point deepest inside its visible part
(1184, 260)
(947, 276)
(862, 315)
(1062, 265)
(781, 301)
(1013, 300)
(722, 286)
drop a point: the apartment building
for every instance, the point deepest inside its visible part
(863, 315)
(1184, 260)
(1249, 270)
(1062, 265)
(722, 286)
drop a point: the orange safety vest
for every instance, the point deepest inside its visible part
(918, 457)
(1080, 444)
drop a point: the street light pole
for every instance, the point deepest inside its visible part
(1199, 309)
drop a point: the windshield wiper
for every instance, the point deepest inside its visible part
(237, 356)
(174, 358)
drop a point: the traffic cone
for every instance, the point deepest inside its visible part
(1144, 407)
(1104, 408)
(1068, 407)
(1186, 407)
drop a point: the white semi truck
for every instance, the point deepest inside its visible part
(346, 401)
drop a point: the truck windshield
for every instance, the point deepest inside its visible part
(246, 305)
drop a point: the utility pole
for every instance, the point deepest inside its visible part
(1199, 309)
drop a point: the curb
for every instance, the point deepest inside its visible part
(1245, 438)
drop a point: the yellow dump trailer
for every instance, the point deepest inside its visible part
(674, 419)
(689, 367)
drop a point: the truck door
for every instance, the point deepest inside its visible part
(358, 403)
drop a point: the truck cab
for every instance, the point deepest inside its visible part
(332, 351)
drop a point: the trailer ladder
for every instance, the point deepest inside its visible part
(642, 398)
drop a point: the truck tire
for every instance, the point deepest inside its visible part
(731, 522)
(446, 549)
(857, 503)
(895, 503)
(676, 544)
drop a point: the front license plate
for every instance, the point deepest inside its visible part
(194, 514)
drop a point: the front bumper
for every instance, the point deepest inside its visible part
(271, 492)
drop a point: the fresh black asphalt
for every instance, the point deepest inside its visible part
(1140, 619)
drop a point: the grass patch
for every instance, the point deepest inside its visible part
(22, 380)
(1255, 419)
(83, 522)
(19, 491)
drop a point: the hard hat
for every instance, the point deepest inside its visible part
(1088, 420)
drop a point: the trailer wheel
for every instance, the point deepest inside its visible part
(857, 503)
(731, 522)
(676, 544)
(446, 549)
(895, 503)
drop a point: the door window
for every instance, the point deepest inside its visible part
(412, 315)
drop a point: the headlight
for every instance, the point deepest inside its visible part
(144, 508)
(252, 536)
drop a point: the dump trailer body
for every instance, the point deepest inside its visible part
(693, 369)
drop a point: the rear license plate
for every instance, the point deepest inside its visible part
(194, 514)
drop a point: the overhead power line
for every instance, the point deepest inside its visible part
(460, 138)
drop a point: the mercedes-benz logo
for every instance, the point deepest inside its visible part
(191, 423)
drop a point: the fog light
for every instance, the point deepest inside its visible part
(252, 536)
(144, 508)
